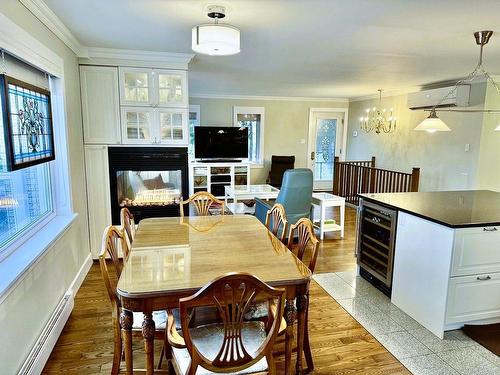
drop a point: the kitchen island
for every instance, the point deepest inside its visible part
(443, 249)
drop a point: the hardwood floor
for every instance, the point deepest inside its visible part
(340, 344)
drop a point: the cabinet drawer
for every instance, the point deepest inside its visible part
(476, 251)
(473, 298)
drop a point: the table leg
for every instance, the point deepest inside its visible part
(126, 322)
(342, 218)
(322, 222)
(301, 323)
(290, 314)
(307, 344)
(148, 332)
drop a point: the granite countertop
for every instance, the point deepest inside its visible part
(454, 209)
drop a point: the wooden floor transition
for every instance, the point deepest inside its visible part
(340, 344)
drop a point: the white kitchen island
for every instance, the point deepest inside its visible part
(446, 267)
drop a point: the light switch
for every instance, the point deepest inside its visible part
(355, 133)
(467, 147)
(302, 141)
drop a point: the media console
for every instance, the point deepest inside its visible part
(213, 176)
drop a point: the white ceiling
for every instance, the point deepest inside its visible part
(314, 48)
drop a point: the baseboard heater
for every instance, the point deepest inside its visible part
(34, 364)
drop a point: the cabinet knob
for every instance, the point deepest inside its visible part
(483, 278)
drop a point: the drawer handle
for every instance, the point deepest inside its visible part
(490, 229)
(483, 278)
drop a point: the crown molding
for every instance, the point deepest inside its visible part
(386, 94)
(46, 16)
(138, 58)
(268, 97)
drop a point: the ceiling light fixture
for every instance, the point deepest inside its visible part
(433, 123)
(379, 119)
(216, 39)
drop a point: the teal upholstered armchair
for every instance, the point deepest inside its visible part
(295, 195)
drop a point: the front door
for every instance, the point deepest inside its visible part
(325, 142)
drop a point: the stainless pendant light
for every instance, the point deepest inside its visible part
(433, 123)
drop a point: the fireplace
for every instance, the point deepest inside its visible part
(149, 181)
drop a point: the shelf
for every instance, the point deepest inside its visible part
(329, 227)
(376, 241)
(378, 224)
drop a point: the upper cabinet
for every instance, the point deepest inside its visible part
(153, 87)
(100, 104)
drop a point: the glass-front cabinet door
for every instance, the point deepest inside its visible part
(136, 86)
(173, 125)
(138, 125)
(170, 88)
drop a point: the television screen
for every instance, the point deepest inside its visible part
(211, 142)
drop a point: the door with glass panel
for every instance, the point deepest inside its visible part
(325, 142)
(170, 87)
(136, 87)
(172, 126)
(138, 125)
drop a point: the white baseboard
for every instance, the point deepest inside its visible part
(39, 354)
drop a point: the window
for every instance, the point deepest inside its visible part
(253, 119)
(194, 120)
(25, 200)
(26, 196)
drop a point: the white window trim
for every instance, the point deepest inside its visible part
(28, 249)
(253, 111)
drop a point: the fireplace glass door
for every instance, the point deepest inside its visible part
(149, 188)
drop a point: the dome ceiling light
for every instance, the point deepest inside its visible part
(433, 123)
(216, 39)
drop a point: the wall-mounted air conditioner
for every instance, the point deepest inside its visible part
(430, 98)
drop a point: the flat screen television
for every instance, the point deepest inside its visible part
(220, 142)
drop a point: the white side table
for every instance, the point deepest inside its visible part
(324, 200)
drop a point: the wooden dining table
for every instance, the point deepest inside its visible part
(172, 258)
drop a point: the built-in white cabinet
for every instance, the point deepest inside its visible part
(154, 106)
(472, 298)
(475, 251)
(98, 194)
(213, 177)
(153, 87)
(144, 125)
(100, 104)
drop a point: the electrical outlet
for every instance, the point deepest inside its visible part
(467, 147)
(355, 133)
(302, 141)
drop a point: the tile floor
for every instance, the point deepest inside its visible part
(413, 345)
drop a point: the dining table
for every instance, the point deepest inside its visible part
(174, 257)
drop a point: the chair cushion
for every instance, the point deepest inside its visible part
(208, 340)
(159, 317)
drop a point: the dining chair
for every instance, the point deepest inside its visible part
(202, 201)
(306, 239)
(276, 219)
(235, 344)
(128, 225)
(111, 271)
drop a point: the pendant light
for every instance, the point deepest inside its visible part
(215, 39)
(433, 123)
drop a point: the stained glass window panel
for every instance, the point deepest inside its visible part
(27, 115)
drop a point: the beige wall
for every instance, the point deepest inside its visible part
(28, 306)
(489, 155)
(444, 163)
(286, 124)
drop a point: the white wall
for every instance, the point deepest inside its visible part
(444, 163)
(286, 124)
(27, 307)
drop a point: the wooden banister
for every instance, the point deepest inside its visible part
(356, 177)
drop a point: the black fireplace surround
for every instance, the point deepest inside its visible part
(146, 180)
